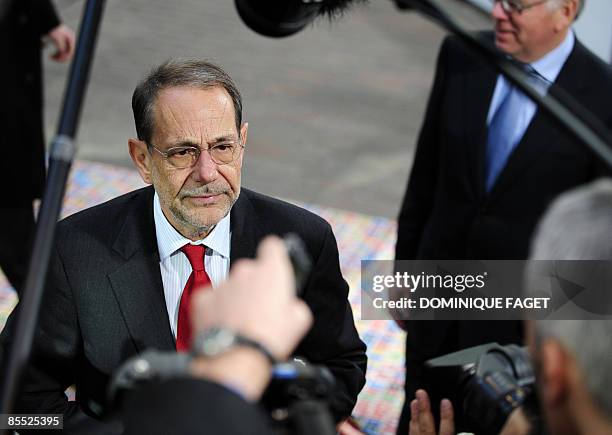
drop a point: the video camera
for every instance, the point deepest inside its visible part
(297, 398)
(488, 383)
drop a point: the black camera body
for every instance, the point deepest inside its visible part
(297, 398)
(487, 382)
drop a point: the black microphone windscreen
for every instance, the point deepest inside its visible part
(278, 18)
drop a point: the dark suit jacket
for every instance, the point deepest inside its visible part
(446, 212)
(22, 24)
(105, 302)
(148, 411)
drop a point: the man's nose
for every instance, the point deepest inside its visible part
(205, 169)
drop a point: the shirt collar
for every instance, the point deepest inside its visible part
(169, 240)
(550, 65)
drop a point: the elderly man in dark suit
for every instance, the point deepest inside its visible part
(22, 168)
(488, 162)
(124, 272)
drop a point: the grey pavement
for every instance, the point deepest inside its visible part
(334, 111)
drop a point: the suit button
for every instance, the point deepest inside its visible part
(23, 19)
(29, 78)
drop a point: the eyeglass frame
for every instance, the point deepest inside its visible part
(513, 5)
(199, 150)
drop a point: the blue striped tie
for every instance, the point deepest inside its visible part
(500, 143)
(501, 139)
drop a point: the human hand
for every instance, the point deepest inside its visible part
(346, 428)
(517, 424)
(258, 301)
(63, 39)
(422, 420)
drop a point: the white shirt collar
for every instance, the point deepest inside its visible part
(169, 240)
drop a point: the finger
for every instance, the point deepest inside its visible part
(60, 43)
(447, 418)
(66, 49)
(56, 56)
(427, 424)
(61, 56)
(70, 45)
(345, 428)
(414, 418)
(271, 250)
(242, 268)
(274, 257)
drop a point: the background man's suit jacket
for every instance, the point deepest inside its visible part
(105, 302)
(446, 212)
(22, 24)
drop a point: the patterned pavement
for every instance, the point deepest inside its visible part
(359, 237)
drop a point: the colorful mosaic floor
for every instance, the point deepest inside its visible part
(359, 237)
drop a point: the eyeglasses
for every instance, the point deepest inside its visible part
(183, 157)
(511, 6)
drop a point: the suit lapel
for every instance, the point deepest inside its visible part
(137, 282)
(246, 231)
(541, 133)
(479, 87)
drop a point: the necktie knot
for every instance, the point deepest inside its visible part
(535, 78)
(195, 255)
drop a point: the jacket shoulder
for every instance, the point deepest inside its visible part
(598, 71)
(105, 218)
(283, 214)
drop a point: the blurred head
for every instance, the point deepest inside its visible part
(572, 356)
(189, 107)
(532, 28)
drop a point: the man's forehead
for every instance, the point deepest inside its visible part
(191, 102)
(183, 112)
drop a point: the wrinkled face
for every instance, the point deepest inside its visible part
(193, 199)
(530, 34)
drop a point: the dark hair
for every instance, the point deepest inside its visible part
(194, 73)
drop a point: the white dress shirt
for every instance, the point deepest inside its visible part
(548, 67)
(174, 265)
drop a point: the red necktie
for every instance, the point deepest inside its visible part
(198, 278)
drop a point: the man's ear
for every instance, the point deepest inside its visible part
(566, 15)
(142, 159)
(554, 371)
(244, 132)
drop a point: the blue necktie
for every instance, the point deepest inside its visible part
(501, 141)
(502, 138)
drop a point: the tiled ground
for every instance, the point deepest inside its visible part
(359, 237)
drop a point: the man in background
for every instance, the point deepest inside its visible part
(488, 162)
(23, 25)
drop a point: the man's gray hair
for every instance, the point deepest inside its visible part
(578, 226)
(196, 73)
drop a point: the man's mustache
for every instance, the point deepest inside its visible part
(207, 189)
